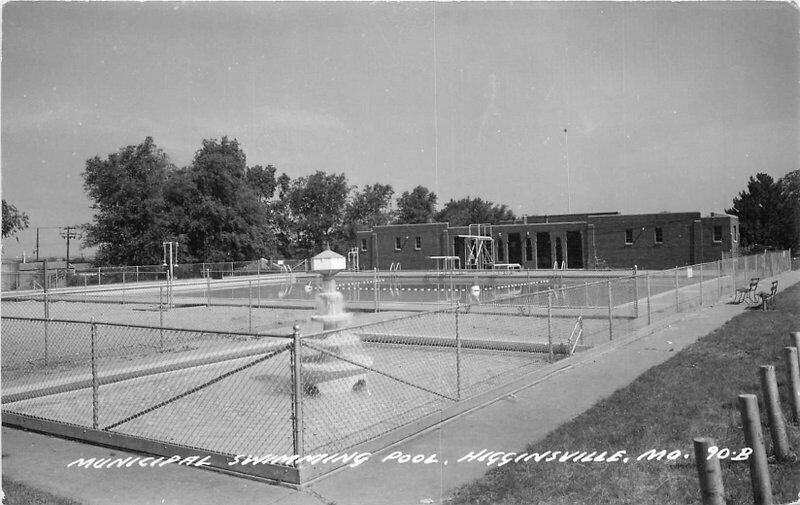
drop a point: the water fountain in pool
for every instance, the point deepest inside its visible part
(324, 372)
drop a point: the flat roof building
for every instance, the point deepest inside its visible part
(576, 241)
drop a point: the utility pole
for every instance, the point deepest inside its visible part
(68, 234)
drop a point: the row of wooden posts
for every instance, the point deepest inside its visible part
(708, 466)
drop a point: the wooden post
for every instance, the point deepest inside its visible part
(709, 472)
(793, 378)
(95, 382)
(297, 395)
(777, 427)
(754, 438)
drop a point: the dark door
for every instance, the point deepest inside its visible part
(514, 248)
(543, 257)
(574, 249)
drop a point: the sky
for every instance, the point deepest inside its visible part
(666, 106)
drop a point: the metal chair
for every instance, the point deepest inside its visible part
(747, 293)
(768, 298)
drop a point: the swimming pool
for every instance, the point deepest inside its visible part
(399, 289)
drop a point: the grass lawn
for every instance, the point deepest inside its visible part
(694, 394)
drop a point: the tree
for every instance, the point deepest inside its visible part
(790, 187)
(216, 210)
(369, 207)
(418, 206)
(468, 211)
(316, 206)
(14, 221)
(129, 224)
(764, 214)
(262, 181)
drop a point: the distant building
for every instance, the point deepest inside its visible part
(576, 241)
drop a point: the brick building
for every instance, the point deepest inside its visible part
(590, 241)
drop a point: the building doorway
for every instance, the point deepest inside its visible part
(574, 249)
(544, 256)
(514, 248)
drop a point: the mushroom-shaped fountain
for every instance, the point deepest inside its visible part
(337, 369)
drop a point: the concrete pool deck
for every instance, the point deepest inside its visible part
(505, 425)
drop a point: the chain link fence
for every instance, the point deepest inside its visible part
(241, 392)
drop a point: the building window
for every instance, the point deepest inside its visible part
(718, 234)
(363, 245)
(417, 243)
(397, 244)
(659, 238)
(629, 236)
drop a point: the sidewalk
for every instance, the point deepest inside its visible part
(507, 425)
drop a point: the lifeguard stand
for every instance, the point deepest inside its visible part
(479, 250)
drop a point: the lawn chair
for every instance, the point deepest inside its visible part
(768, 298)
(748, 293)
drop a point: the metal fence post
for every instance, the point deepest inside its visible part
(123, 287)
(754, 438)
(46, 324)
(700, 266)
(793, 378)
(708, 470)
(636, 291)
(550, 325)
(458, 355)
(95, 382)
(795, 336)
(161, 318)
(677, 299)
(777, 427)
(647, 283)
(99, 273)
(250, 306)
(610, 313)
(733, 275)
(375, 287)
(208, 289)
(297, 395)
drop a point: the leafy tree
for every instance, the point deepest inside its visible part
(216, 211)
(469, 211)
(418, 206)
(764, 214)
(369, 207)
(14, 221)
(316, 206)
(790, 187)
(262, 181)
(129, 224)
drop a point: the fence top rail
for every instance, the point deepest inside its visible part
(145, 327)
